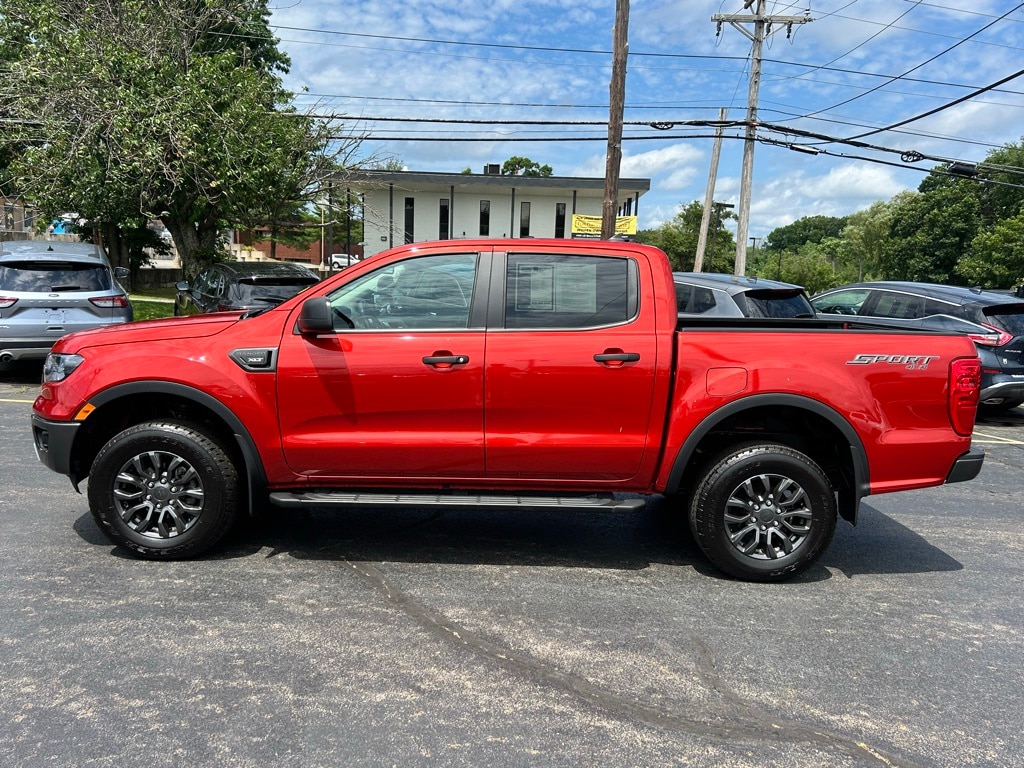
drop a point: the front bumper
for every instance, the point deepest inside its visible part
(53, 441)
(966, 467)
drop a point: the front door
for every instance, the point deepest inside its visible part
(399, 396)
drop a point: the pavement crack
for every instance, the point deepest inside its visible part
(749, 723)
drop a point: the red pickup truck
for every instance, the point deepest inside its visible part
(541, 373)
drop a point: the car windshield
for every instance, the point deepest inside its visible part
(271, 290)
(1008, 317)
(779, 303)
(53, 276)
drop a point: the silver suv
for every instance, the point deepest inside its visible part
(50, 289)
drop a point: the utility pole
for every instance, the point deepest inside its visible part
(763, 24)
(709, 195)
(616, 107)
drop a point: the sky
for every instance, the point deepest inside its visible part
(442, 87)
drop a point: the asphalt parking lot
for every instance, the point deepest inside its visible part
(418, 638)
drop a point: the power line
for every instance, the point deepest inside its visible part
(925, 62)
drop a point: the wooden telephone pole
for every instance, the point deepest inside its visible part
(762, 24)
(616, 107)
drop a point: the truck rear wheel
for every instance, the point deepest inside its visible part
(164, 490)
(763, 512)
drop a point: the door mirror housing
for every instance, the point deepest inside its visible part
(316, 317)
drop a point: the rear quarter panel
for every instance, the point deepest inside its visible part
(892, 388)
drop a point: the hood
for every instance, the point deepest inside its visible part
(149, 330)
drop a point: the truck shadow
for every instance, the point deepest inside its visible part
(657, 535)
(630, 542)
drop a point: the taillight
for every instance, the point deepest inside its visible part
(110, 302)
(964, 387)
(7, 301)
(994, 339)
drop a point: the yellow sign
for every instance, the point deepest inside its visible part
(590, 226)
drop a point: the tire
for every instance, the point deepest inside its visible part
(763, 512)
(164, 491)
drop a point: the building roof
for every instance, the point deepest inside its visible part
(424, 178)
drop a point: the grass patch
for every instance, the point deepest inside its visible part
(154, 303)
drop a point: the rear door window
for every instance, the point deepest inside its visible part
(569, 291)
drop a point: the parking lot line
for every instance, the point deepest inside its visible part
(994, 439)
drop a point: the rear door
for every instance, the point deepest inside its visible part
(571, 362)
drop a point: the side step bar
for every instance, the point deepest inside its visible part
(398, 498)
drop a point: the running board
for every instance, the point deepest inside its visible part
(378, 499)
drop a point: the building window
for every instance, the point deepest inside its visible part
(409, 218)
(559, 219)
(442, 220)
(485, 218)
(524, 220)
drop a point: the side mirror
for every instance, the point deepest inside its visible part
(316, 317)
(181, 285)
(121, 273)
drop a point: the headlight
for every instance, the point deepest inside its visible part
(59, 367)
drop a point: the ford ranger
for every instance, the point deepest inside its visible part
(540, 373)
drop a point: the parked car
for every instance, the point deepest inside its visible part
(49, 289)
(242, 286)
(721, 295)
(995, 322)
(343, 260)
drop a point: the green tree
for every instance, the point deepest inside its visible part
(996, 257)
(524, 166)
(678, 239)
(809, 229)
(930, 232)
(1005, 199)
(865, 239)
(168, 109)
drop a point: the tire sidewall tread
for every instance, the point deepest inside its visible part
(216, 468)
(724, 473)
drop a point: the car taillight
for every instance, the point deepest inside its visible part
(111, 302)
(964, 387)
(7, 301)
(994, 339)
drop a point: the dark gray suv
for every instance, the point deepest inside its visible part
(49, 289)
(995, 322)
(240, 286)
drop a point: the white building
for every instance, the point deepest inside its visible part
(412, 206)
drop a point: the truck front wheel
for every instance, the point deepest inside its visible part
(164, 490)
(763, 512)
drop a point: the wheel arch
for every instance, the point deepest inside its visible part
(799, 422)
(126, 405)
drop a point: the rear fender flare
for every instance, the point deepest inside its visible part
(848, 502)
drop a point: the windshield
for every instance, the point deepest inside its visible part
(53, 276)
(779, 303)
